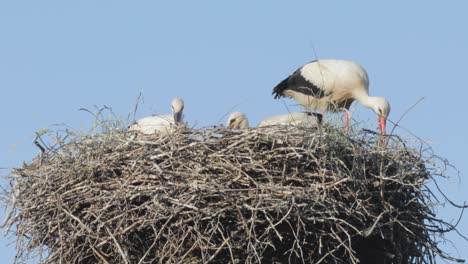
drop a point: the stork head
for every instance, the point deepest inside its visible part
(381, 107)
(238, 120)
(177, 108)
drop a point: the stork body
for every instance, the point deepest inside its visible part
(331, 86)
(237, 120)
(292, 119)
(160, 123)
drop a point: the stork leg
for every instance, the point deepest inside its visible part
(323, 115)
(347, 117)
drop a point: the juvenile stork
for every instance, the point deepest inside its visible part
(292, 119)
(237, 120)
(160, 123)
(331, 86)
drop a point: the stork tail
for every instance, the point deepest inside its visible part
(279, 89)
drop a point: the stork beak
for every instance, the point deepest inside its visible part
(382, 124)
(177, 117)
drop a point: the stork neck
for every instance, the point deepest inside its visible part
(365, 100)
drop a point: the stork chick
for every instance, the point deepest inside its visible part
(161, 123)
(237, 120)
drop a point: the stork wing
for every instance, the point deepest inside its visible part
(307, 80)
(297, 82)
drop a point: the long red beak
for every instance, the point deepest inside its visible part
(382, 125)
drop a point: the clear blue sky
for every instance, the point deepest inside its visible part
(59, 56)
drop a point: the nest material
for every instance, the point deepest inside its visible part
(275, 195)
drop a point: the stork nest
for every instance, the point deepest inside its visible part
(215, 195)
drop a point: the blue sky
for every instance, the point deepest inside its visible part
(59, 56)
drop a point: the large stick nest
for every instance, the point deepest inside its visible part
(276, 195)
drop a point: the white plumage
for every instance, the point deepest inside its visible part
(237, 120)
(292, 119)
(332, 85)
(160, 123)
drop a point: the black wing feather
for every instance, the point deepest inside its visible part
(296, 82)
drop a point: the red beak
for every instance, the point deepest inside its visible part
(382, 124)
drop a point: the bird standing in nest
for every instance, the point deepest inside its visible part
(331, 86)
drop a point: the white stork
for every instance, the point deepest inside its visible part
(332, 85)
(293, 119)
(237, 120)
(160, 123)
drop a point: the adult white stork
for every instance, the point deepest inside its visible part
(237, 120)
(160, 123)
(293, 119)
(332, 85)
